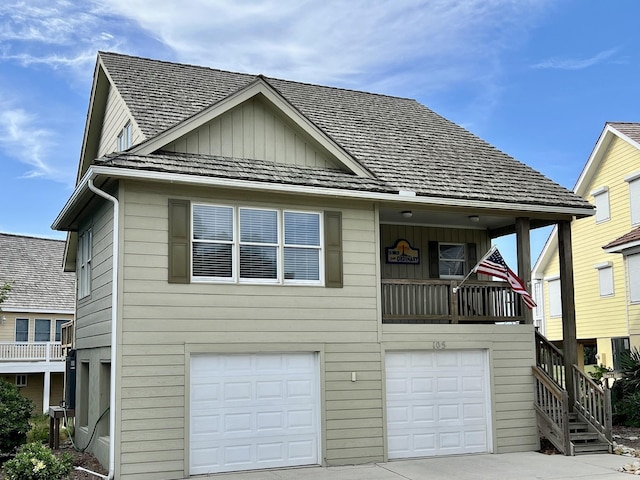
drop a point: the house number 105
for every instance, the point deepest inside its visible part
(439, 345)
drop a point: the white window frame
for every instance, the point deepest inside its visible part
(16, 329)
(124, 137)
(554, 289)
(280, 246)
(633, 269)
(634, 197)
(85, 247)
(41, 321)
(463, 261)
(605, 279)
(21, 380)
(601, 202)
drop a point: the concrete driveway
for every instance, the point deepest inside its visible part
(506, 466)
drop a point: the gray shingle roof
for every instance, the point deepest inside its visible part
(34, 265)
(403, 143)
(242, 169)
(630, 129)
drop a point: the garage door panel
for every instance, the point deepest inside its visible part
(252, 411)
(437, 403)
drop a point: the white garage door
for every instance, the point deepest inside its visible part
(252, 411)
(438, 403)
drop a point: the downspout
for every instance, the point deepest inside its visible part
(114, 322)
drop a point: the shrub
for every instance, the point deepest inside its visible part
(15, 411)
(629, 409)
(40, 430)
(35, 461)
(598, 372)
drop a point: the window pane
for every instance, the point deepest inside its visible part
(42, 331)
(59, 324)
(451, 260)
(452, 252)
(633, 267)
(22, 329)
(301, 264)
(301, 228)
(258, 262)
(259, 226)
(212, 260)
(212, 223)
(451, 268)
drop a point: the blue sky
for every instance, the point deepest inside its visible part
(536, 78)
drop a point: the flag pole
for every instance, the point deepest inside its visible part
(488, 254)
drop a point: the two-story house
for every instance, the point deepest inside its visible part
(266, 275)
(606, 258)
(41, 301)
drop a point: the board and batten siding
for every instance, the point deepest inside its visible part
(115, 118)
(511, 356)
(93, 321)
(254, 130)
(419, 237)
(162, 322)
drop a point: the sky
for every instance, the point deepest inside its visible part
(538, 79)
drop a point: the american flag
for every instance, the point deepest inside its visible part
(493, 264)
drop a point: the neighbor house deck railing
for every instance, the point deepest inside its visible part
(435, 301)
(31, 351)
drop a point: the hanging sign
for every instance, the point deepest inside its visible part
(403, 252)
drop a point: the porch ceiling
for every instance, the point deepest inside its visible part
(446, 219)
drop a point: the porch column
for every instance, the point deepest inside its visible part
(523, 242)
(46, 390)
(569, 340)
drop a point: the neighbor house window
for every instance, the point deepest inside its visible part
(605, 279)
(124, 138)
(620, 346)
(633, 267)
(21, 380)
(451, 260)
(42, 330)
(84, 264)
(634, 197)
(555, 300)
(256, 245)
(22, 329)
(601, 200)
(59, 324)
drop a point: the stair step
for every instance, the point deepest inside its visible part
(575, 427)
(589, 448)
(582, 437)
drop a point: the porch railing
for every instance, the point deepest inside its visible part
(31, 351)
(550, 360)
(434, 301)
(552, 405)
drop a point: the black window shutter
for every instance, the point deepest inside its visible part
(179, 240)
(333, 249)
(434, 260)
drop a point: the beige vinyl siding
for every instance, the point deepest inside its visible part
(511, 355)
(93, 324)
(159, 319)
(419, 237)
(35, 388)
(254, 130)
(8, 329)
(115, 118)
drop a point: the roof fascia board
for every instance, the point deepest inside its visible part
(623, 247)
(90, 115)
(27, 310)
(132, 174)
(596, 157)
(259, 86)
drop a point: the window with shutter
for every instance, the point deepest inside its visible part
(601, 201)
(555, 300)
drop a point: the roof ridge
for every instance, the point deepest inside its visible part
(255, 75)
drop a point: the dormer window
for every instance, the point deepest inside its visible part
(124, 137)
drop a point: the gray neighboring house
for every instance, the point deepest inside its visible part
(41, 301)
(266, 270)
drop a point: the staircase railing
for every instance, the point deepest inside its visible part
(552, 405)
(593, 402)
(550, 360)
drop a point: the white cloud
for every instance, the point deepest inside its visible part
(575, 63)
(22, 138)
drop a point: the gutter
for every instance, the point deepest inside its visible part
(114, 323)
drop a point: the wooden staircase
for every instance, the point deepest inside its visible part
(579, 427)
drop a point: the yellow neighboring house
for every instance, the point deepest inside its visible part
(606, 255)
(41, 301)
